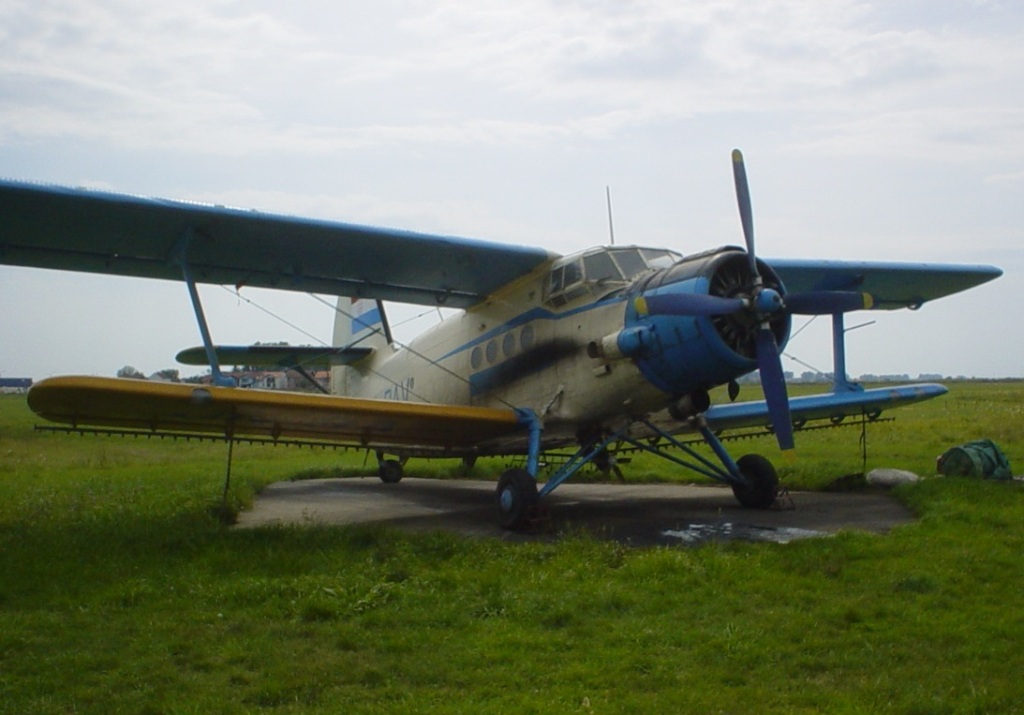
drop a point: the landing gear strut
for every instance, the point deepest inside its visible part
(753, 478)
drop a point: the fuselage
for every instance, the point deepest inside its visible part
(568, 343)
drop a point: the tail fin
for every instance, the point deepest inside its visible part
(358, 322)
(362, 322)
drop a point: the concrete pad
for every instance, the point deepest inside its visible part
(639, 514)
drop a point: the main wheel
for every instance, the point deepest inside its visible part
(517, 492)
(390, 471)
(762, 482)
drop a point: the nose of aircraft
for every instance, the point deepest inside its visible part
(717, 315)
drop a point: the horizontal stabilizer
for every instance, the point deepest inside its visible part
(310, 357)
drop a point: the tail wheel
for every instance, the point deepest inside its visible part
(517, 492)
(762, 483)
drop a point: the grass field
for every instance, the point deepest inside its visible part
(121, 592)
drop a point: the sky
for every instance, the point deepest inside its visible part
(872, 130)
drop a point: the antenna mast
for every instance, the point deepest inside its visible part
(611, 226)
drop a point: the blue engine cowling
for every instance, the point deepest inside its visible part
(683, 353)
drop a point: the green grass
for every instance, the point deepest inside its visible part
(120, 591)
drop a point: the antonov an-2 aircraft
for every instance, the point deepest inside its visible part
(611, 347)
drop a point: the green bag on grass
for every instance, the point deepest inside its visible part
(980, 458)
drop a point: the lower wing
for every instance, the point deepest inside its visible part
(231, 412)
(833, 406)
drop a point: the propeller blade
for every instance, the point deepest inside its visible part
(739, 173)
(687, 304)
(827, 302)
(773, 381)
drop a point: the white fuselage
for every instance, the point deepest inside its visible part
(519, 349)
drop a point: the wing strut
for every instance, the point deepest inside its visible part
(841, 381)
(181, 257)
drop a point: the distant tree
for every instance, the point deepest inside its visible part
(169, 374)
(129, 371)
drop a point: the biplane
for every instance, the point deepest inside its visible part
(613, 347)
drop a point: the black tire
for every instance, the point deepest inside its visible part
(762, 482)
(517, 493)
(390, 471)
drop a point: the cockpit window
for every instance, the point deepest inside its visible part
(659, 258)
(555, 284)
(596, 270)
(573, 274)
(630, 261)
(601, 267)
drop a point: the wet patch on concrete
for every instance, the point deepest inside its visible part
(637, 514)
(699, 533)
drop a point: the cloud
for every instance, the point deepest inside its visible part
(930, 133)
(1015, 177)
(220, 78)
(861, 119)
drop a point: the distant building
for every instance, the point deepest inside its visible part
(15, 385)
(288, 380)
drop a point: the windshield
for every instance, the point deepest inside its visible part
(596, 269)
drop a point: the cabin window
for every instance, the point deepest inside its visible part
(476, 358)
(508, 345)
(526, 338)
(492, 352)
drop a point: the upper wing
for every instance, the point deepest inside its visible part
(92, 231)
(234, 412)
(891, 285)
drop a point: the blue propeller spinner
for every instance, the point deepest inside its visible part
(755, 306)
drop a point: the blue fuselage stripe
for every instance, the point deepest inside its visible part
(531, 362)
(528, 317)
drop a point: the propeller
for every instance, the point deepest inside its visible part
(763, 303)
(739, 173)
(688, 304)
(827, 302)
(769, 362)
